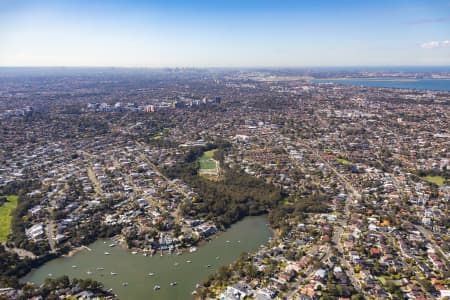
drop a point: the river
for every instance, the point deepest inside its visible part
(244, 236)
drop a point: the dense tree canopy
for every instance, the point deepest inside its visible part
(226, 201)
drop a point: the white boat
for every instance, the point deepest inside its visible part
(107, 253)
(209, 266)
(173, 283)
(89, 272)
(228, 241)
(112, 245)
(124, 283)
(134, 252)
(194, 293)
(192, 249)
(188, 261)
(100, 268)
(145, 254)
(50, 275)
(156, 287)
(112, 273)
(151, 274)
(74, 266)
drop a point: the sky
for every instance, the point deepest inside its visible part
(224, 33)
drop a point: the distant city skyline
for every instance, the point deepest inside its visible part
(201, 33)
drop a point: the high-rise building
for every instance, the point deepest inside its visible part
(179, 104)
(149, 108)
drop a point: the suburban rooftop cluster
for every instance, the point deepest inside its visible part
(363, 174)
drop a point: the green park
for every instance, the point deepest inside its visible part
(6, 217)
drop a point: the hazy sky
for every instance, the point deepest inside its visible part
(228, 33)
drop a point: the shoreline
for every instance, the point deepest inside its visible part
(441, 85)
(374, 79)
(74, 251)
(274, 233)
(210, 256)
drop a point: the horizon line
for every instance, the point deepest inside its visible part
(220, 67)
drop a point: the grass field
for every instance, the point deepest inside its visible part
(343, 161)
(5, 217)
(209, 154)
(439, 180)
(206, 161)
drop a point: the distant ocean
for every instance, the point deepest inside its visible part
(420, 84)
